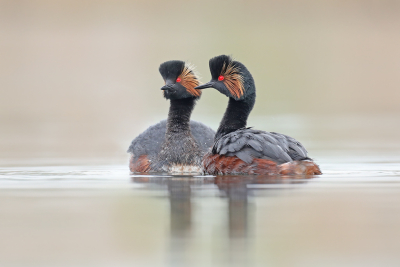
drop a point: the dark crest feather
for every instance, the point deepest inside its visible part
(171, 69)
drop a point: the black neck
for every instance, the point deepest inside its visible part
(179, 115)
(235, 116)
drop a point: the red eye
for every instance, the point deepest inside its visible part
(178, 80)
(221, 78)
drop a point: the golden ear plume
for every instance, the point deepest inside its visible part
(189, 80)
(233, 80)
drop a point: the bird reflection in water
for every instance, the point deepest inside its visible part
(240, 212)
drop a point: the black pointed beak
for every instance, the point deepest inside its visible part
(206, 85)
(167, 87)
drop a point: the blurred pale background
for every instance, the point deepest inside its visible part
(79, 79)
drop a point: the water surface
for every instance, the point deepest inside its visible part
(101, 214)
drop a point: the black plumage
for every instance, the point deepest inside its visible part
(232, 137)
(171, 69)
(176, 144)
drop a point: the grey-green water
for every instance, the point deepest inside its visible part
(102, 215)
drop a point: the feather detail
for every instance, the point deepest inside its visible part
(233, 80)
(189, 80)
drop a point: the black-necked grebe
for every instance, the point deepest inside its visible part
(175, 145)
(241, 150)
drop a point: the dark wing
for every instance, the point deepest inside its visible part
(248, 143)
(296, 150)
(203, 135)
(149, 142)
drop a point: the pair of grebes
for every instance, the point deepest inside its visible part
(179, 145)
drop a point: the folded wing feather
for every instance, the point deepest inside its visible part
(248, 143)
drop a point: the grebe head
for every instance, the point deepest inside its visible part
(180, 80)
(230, 78)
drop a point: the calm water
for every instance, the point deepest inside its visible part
(101, 216)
